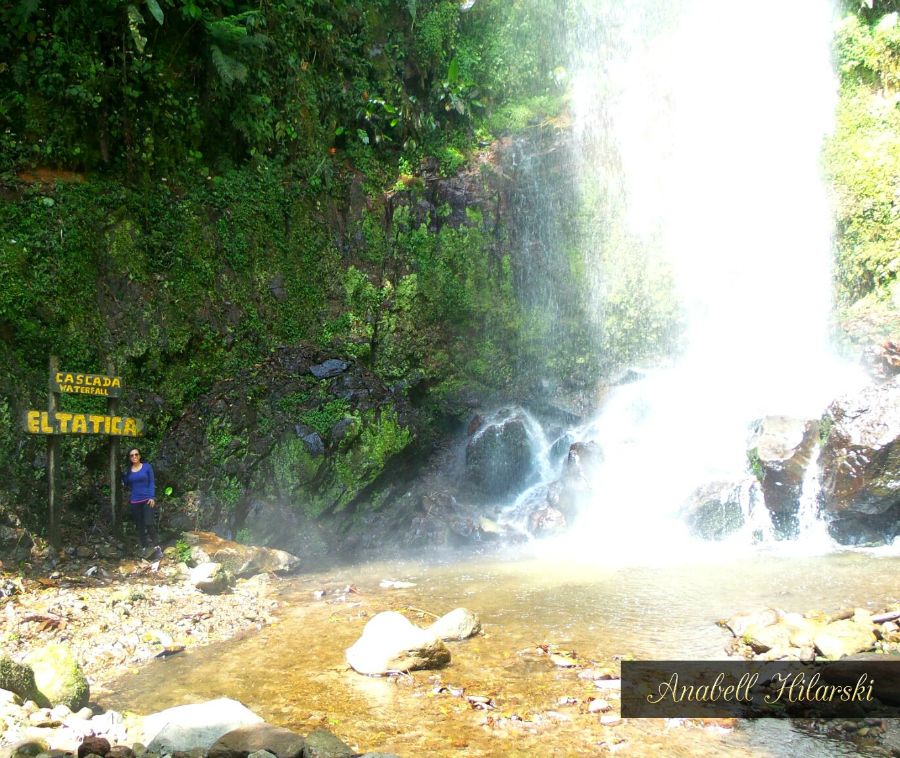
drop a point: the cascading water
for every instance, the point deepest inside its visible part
(697, 135)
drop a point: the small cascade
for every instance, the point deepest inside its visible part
(813, 530)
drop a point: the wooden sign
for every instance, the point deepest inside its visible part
(59, 422)
(70, 382)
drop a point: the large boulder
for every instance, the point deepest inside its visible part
(200, 725)
(390, 642)
(860, 461)
(238, 560)
(716, 510)
(58, 676)
(780, 450)
(498, 455)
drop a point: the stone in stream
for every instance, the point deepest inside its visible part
(323, 744)
(391, 642)
(199, 725)
(241, 742)
(58, 676)
(458, 624)
(845, 637)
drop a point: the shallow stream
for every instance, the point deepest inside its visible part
(293, 673)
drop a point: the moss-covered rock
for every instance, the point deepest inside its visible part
(58, 676)
(19, 678)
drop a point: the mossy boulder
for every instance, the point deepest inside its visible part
(19, 678)
(58, 676)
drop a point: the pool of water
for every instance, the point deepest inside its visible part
(294, 674)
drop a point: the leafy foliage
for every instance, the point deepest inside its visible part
(863, 158)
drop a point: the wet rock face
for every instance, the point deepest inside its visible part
(498, 456)
(716, 510)
(781, 447)
(860, 460)
(296, 429)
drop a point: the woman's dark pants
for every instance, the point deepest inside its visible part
(144, 518)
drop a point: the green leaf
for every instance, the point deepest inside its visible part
(339, 131)
(453, 71)
(168, 491)
(155, 11)
(411, 7)
(363, 136)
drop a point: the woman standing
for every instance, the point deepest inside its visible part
(138, 480)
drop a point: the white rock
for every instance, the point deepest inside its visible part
(210, 578)
(187, 727)
(459, 624)
(391, 642)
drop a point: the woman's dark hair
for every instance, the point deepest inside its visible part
(132, 450)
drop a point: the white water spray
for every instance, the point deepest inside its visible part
(708, 120)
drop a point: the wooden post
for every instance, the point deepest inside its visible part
(115, 522)
(53, 463)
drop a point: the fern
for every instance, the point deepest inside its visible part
(229, 69)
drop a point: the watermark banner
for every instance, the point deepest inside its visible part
(753, 689)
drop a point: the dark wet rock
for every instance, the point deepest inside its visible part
(860, 458)
(498, 456)
(238, 560)
(248, 425)
(391, 642)
(866, 531)
(327, 369)
(323, 744)
(779, 451)
(240, 743)
(120, 751)
(58, 675)
(199, 725)
(311, 439)
(458, 624)
(340, 430)
(716, 510)
(92, 744)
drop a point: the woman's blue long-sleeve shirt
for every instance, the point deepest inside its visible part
(140, 482)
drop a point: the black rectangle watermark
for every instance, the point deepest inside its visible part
(754, 689)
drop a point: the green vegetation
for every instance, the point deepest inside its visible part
(754, 464)
(863, 161)
(188, 185)
(182, 551)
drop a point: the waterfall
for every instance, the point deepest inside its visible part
(697, 130)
